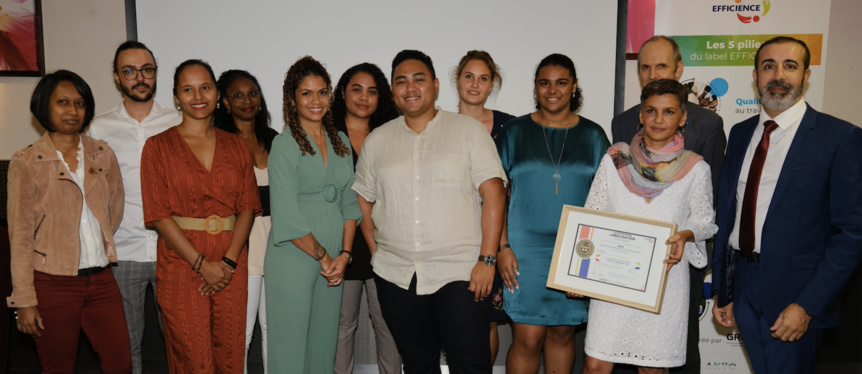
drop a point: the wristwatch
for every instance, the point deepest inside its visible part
(489, 260)
(349, 256)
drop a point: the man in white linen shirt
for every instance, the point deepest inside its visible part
(432, 184)
(126, 129)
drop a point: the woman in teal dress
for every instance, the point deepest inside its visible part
(314, 217)
(550, 157)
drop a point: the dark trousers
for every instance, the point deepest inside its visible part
(767, 355)
(68, 304)
(447, 319)
(692, 351)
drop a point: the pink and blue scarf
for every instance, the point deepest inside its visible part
(647, 172)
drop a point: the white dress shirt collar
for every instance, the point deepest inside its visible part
(787, 118)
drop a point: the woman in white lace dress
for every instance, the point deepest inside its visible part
(655, 178)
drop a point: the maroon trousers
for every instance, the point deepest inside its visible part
(69, 304)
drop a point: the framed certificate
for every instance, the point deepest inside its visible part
(612, 257)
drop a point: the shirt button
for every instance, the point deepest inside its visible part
(417, 221)
(417, 177)
(417, 199)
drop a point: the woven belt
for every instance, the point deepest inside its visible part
(213, 224)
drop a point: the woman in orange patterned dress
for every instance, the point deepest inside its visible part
(200, 194)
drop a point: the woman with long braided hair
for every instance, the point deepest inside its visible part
(314, 218)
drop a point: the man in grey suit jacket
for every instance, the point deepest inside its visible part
(659, 58)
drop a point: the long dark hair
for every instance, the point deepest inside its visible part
(386, 110)
(224, 120)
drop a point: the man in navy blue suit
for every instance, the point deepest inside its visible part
(789, 213)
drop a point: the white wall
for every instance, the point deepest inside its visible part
(80, 36)
(267, 38)
(843, 72)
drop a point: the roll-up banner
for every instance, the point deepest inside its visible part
(718, 40)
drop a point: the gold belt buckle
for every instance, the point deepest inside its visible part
(213, 225)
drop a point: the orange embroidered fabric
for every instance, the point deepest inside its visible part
(203, 334)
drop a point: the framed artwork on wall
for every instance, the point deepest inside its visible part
(21, 48)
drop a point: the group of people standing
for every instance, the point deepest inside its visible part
(448, 221)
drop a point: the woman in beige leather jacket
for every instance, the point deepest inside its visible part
(65, 202)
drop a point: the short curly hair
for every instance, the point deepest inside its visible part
(304, 67)
(665, 87)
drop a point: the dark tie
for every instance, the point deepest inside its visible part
(749, 201)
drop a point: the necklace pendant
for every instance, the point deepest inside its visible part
(557, 177)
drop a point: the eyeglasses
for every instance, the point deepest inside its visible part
(239, 97)
(131, 74)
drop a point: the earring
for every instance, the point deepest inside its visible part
(177, 105)
(640, 127)
(681, 130)
(228, 111)
(218, 105)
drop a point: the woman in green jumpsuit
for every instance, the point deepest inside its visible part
(314, 217)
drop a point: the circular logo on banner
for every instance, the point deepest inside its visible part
(706, 95)
(585, 248)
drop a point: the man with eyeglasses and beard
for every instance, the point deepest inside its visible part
(789, 217)
(126, 129)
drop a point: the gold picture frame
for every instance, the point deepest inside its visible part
(612, 257)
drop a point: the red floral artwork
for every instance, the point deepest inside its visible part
(18, 48)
